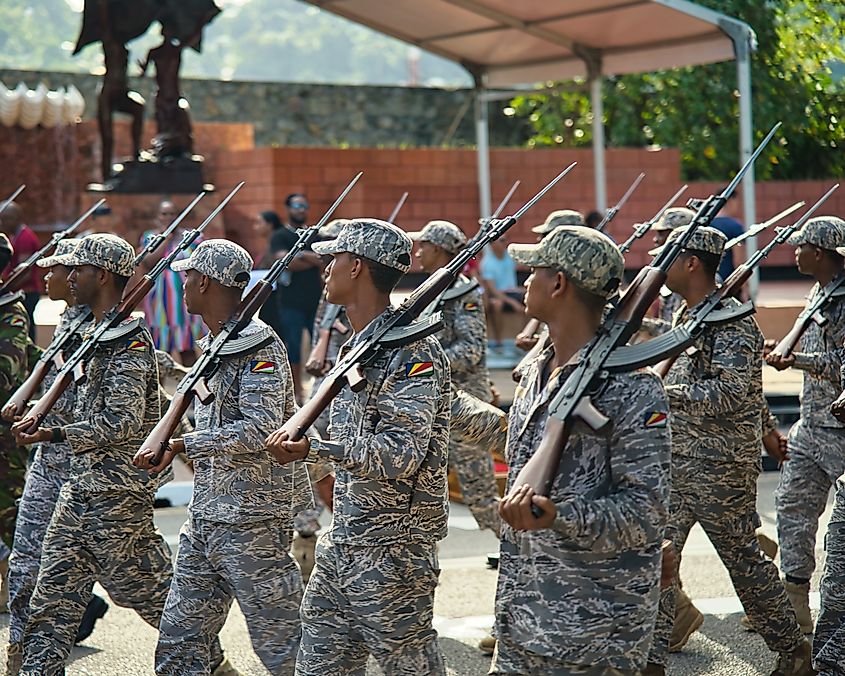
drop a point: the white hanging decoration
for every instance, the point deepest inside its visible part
(29, 108)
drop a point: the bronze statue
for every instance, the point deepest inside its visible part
(114, 23)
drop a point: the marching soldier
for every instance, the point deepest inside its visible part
(578, 586)
(464, 339)
(816, 443)
(714, 395)
(14, 361)
(236, 540)
(372, 590)
(102, 527)
(47, 473)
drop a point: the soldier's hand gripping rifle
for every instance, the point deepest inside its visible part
(641, 229)
(813, 313)
(709, 311)
(610, 214)
(21, 273)
(397, 330)
(152, 451)
(573, 399)
(109, 327)
(53, 354)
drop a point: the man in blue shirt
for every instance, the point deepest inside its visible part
(726, 223)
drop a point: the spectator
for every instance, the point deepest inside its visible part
(173, 329)
(267, 223)
(498, 276)
(24, 243)
(728, 224)
(593, 219)
(298, 299)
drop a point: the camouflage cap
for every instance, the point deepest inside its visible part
(825, 232)
(64, 246)
(587, 257)
(220, 259)
(673, 218)
(371, 238)
(708, 240)
(332, 229)
(560, 217)
(444, 234)
(102, 250)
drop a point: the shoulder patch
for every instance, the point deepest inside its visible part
(17, 321)
(419, 368)
(655, 419)
(261, 366)
(471, 306)
(137, 345)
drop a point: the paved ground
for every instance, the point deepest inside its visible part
(122, 644)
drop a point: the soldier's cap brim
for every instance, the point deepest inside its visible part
(50, 261)
(416, 235)
(840, 250)
(661, 227)
(327, 248)
(796, 238)
(71, 260)
(543, 228)
(183, 265)
(528, 254)
(656, 250)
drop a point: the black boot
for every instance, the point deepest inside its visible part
(97, 607)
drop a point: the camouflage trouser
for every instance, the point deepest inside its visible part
(370, 600)
(829, 638)
(44, 480)
(219, 562)
(817, 458)
(13, 459)
(722, 497)
(476, 430)
(105, 537)
(511, 658)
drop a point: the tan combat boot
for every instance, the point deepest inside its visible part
(225, 668)
(688, 619)
(798, 662)
(14, 659)
(302, 552)
(487, 645)
(799, 597)
(768, 546)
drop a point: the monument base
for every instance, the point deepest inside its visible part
(171, 175)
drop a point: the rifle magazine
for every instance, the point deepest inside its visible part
(633, 357)
(730, 314)
(403, 335)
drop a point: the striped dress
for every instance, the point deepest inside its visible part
(172, 327)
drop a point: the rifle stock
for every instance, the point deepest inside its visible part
(540, 470)
(788, 343)
(21, 397)
(159, 438)
(43, 406)
(297, 425)
(317, 358)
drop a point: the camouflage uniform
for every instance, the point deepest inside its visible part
(235, 542)
(46, 475)
(474, 423)
(102, 527)
(372, 590)
(829, 638)
(714, 391)
(816, 442)
(581, 596)
(14, 367)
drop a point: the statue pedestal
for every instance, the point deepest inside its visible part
(172, 176)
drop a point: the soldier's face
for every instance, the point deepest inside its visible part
(57, 282)
(338, 278)
(538, 292)
(192, 291)
(83, 284)
(660, 237)
(806, 258)
(427, 256)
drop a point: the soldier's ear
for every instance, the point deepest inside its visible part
(356, 268)
(205, 283)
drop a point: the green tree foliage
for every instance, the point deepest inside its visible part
(696, 108)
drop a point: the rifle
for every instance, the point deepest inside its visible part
(18, 277)
(573, 398)
(399, 327)
(110, 323)
(610, 214)
(194, 383)
(641, 229)
(52, 355)
(814, 312)
(707, 312)
(12, 197)
(397, 208)
(757, 228)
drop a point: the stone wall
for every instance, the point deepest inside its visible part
(314, 114)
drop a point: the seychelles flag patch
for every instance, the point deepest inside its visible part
(656, 419)
(260, 366)
(136, 345)
(419, 368)
(471, 307)
(17, 321)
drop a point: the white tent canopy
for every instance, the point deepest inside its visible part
(504, 43)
